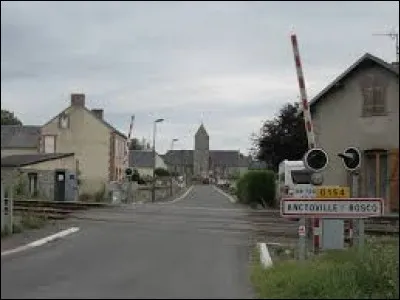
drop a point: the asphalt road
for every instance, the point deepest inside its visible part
(198, 247)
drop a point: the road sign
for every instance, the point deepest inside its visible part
(337, 208)
(332, 192)
(303, 191)
(302, 230)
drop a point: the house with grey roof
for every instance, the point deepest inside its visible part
(360, 108)
(202, 161)
(143, 161)
(47, 176)
(99, 147)
(19, 139)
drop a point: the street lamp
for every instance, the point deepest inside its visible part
(170, 174)
(153, 192)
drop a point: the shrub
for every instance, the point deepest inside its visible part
(32, 221)
(100, 194)
(161, 172)
(257, 186)
(84, 197)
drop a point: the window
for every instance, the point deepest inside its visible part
(376, 174)
(33, 184)
(63, 121)
(373, 92)
(301, 176)
(49, 145)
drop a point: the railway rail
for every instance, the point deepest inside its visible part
(262, 220)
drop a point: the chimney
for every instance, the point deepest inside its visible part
(98, 113)
(78, 100)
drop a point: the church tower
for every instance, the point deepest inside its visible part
(201, 152)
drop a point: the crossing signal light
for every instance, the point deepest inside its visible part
(351, 158)
(315, 159)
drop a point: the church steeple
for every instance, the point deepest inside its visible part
(201, 152)
(202, 131)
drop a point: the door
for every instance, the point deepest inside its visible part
(376, 180)
(59, 188)
(33, 184)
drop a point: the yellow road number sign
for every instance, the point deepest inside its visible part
(332, 192)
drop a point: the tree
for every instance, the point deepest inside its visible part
(135, 144)
(283, 137)
(8, 118)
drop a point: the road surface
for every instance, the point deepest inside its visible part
(198, 247)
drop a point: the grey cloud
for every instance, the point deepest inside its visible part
(227, 61)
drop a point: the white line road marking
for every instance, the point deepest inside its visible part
(179, 198)
(41, 241)
(265, 257)
(233, 200)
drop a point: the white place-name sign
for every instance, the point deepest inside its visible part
(332, 208)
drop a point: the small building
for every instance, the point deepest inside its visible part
(143, 160)
(47, 176)
(360, 108)
(99, 148)
(19, 139)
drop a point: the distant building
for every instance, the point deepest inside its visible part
(143, 160)
(19, 139)
(205, 162)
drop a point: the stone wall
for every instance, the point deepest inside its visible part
(144, 193)
(18, 178)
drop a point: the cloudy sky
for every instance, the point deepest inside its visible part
(228, 64)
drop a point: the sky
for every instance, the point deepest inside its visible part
(227, 64)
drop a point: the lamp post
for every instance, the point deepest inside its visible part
(153, 191)
(170, 175)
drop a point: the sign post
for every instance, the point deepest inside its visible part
(352, 161)
(332, 230)
(316, 160)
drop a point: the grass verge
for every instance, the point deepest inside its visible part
(23, 222)
(348, 274)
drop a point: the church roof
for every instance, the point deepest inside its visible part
(178, 157)
(228, 158)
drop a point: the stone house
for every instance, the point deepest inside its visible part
(360, 108)
(37, 175)
(98, 147)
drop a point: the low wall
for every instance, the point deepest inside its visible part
(132, 192)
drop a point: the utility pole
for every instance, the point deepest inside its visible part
(394, 36)
(153, 190)
(170, 175)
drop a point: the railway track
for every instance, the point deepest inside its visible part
(260, 220)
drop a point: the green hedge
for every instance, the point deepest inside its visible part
(257, 186)
(161, 172)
